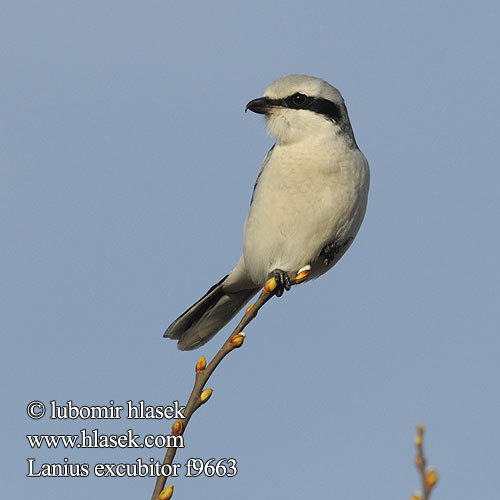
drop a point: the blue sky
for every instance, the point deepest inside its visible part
(127, 165)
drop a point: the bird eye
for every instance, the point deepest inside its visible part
(298, 100)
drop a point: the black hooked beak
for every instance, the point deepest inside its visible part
(262, 105)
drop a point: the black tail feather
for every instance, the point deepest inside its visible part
(198, 324)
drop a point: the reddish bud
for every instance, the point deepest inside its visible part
(177, 427)
(201, 364)
(237, 340)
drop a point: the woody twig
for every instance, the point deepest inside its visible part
(200, 395)
(428, 475)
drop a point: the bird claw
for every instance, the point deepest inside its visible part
(282, 280)
(332, 249)
(329, 252)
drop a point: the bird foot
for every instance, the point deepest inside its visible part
(329, 252)
(282, 281)
(332, 249)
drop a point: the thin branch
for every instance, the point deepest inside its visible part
(203, 372)
(428, 475)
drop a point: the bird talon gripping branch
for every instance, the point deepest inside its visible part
(282, 281)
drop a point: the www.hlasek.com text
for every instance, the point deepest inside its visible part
(95, 439)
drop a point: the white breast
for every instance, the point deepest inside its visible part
(306, 197)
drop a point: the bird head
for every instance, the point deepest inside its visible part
(298, 107)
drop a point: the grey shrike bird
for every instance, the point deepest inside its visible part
(308, 202)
